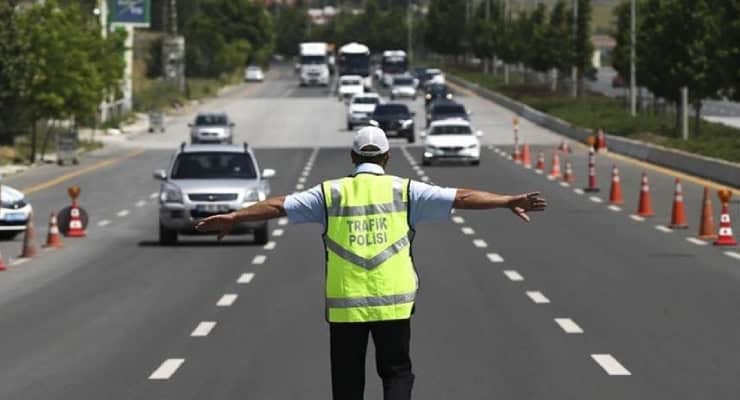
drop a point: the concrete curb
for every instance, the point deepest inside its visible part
(704, 167)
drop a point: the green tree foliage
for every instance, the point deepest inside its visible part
(446, 26)
(559, 49)
(730, 46)
(14, 72)
(583, 49)
(291, 28)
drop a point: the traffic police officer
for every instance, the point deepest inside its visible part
(369, 220)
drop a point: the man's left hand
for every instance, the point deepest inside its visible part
(524, 203)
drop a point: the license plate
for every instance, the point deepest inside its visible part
(15, 217)
(212, 208)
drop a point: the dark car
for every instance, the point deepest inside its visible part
(435, 92)
(395, 119)
(420, 73)
(446, 109)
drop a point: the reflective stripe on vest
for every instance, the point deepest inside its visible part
(370, 274)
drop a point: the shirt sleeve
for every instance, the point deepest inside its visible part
(306, 207)
(429, 203)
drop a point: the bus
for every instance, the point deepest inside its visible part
(354, 59)
(393, 64)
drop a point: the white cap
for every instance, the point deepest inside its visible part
(370, 141)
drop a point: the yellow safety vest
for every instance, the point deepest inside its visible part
(370, 274)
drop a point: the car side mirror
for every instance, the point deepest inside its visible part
(160, 175)
(373, 123)
(479, 133)
(268, 173)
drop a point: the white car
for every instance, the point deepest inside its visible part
(14, 212)
(254, 73)
(350, 85)
(435, 76)
(403, 87)
(451, 140)
(360, 108)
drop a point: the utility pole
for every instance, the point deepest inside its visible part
(487, 58)
(633, 67)
(173, 51)
(574, 69)
(507, 10)
(410, 30)
(685, 113)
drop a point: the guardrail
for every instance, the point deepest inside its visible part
(705, 167)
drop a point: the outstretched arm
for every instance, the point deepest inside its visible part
(468, 199)
(262, 211)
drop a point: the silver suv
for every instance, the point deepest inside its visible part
(205, 180)
(211, 128)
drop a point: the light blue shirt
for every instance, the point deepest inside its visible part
(426, 202)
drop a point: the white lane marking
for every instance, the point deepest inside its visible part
(696, 241)
(466, 230)
(458, 220)
(663, 228)
(154, 195)
(19, 261)
(415, 167)
(420, 172)
(425, 178)
(637, 218)
(568, 325)
(615, 208)
(538, 297)
(305, 172)
(283, 221)
(299, 186)
(480, 243)
(227, 300)
(578, 191)
(104, 222)
(245, 278)
(259, 259)
(733, 254)
(270, 245)
(596, 199)
(141, 203)
(277, 232)
(302, 180)
(564, 184)
(495, 258)
(513, 275)
(538, 172)
(123, 213)
(610, 364)
(167, 369)
(203, 329)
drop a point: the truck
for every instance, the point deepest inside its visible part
(394, 63)
(314, 64)
(354, 59)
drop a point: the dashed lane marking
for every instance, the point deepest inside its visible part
(154, 195)
(696, 241)
(141, 203)
(245, 278)
(283, 221)
(568, 325)
(578, 191)
(425, 178)
(203, 329)
(458, 220)
(596, 199)
(733, 254)
(19, 261)
(277, 232)
(302, 180)
(227, 300)
(538, 297)
(270, 245)
(104, 222)
(564, 184)
(495, 258)
(513, 275)
(299, 186)
(466, 230)
(420, 172)
(637, 218)
(480, 243)
(167, 369)
(663, 228)
(123, 213)
(615, 208)
(259, 259)
(538, 171)
(610, 364)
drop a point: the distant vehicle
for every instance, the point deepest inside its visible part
(211, 128)
(618, 81)
(350, 85)
(314, 63)
(403, 87)
(451, 140)
(254, 73)
(446, 109)
(360, 108)
(354, 59)
(420, 73)
(395, 119)
(435, 75)
(14, 212)
(207, 180)
(436, 91)
(394, 63)
(591, 74)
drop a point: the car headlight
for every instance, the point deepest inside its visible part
(428, 96)
(171, 194)
(253, 195)
(406, 123)
(449, 96)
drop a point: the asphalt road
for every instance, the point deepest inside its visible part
(641, 312)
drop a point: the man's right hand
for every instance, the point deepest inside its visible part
(223, 224)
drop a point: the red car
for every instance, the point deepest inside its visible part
(618, 81)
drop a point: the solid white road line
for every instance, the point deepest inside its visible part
(458, 220)
(283, 221)
(538, 297)
(596, 199)
(154, 195)
(227, 300)
(141, 203)
(495, 258)
(733, 254)
(203, 329)
(610, 364)
(277, 232)
(167, 369)
(259, 259)
(513, 275)
(637, 218)
(663, 228)
(568, 325)
(245, 278)
(270, 245)
(578, 191)
(480, 243)
(615, 208)
(466, 230)
(104, 222)
(123, 213)
(696, 241)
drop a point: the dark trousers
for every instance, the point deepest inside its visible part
(348, 349)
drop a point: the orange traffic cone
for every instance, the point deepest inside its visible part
(53, 239)
(706, 224)
(592, 187)
(564, 147)
(645, 208)
(725, 237)
(555, 169)
(568, 176)
(678, 215)
(75, 222)
(3, 267)
(540, 162)
(615, 193)
(526, 156)
(29, 239)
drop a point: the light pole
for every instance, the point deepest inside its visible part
(574, 69)
(633, 68)
(507, 10)
(410, 31)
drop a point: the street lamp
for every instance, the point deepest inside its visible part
(633, 68)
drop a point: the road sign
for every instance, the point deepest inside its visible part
(130, 12)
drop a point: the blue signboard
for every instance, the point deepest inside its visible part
(130, 12)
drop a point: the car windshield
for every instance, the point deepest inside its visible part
(366, 100)
(391, 109)
(449, 109)
(314, 60)
(253, 69)
(350, 82)
(211, 120)
(214, 165)
(403, 82)
(438, 89)
(451, 130)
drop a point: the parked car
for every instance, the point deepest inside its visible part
(395, 119)
(211, 128)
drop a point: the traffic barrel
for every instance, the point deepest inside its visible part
(568, 176)
(29, 239)
(592, 186)
(76, 228)
(678, 214)
(645, 206)
(725, 236)
(540, 167)
(526, 156)
(706, 224)
(555, 168)
(615, 193)
(53, 238)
